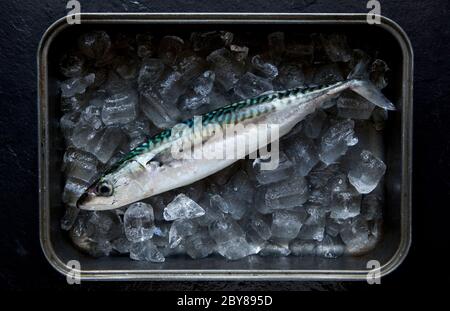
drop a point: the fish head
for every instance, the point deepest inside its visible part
(117, 189)
(102, 195)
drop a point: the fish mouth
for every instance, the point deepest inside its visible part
(81, 200)
(85, 198)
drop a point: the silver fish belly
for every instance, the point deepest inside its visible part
(152, 168)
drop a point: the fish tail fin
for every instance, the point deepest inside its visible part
(359, 83)
(369, 91)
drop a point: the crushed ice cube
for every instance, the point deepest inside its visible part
(161, 234)
(314, 226)
(72, 65)
(179, 230)
(122, 245)
(250, 85)
(200, 245)
(91, 113)
(345, 204)
(240, 52)
(355, 234)
(161, 114)
(335, 141)
(150, 72)
(94, 44)
(234, 207)
(170, 87)
(303, 153)
(73, 103)
(78, 85)
(260, 226)
(322, 173)
(146, 251)
(230, 239)
(68, 122)
(105, 143)
(330, 248)
(212, 212)
(225, 229)
(320, 196)
(227, 69)
(80, 164)
(120, 108)
(333, 227)
(198, 94)
(257, 232)
(283, 195)
(137, 131)
(303, 248)
(82, 135)
(289, 76)
(312, 232)
(190, 67)
(94, 231)
(237, 195)
(235, 249)
(264, 68)
(281, 172)
(139, 222)
(274, 249)
(287, 224)
(367, 173)
(182, 207)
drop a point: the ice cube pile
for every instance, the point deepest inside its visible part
(324, 199)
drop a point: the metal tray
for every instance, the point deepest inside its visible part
(389, 252)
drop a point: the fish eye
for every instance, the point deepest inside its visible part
(104, 189)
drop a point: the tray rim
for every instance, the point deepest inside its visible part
(207, 18)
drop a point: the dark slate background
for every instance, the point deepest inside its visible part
(22, 23)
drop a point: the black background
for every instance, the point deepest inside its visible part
(22, 23)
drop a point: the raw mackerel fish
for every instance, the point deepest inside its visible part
(151, 168)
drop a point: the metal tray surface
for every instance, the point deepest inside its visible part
(389, 252)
